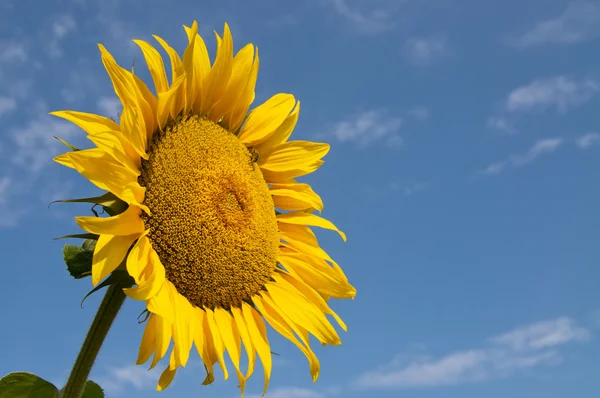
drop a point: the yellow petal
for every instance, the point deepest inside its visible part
(126, 223)
(115, 143)
(266, 118)
(280, 136)
(312, 296)
(64, 160)
(176, 64)
(109, 252)
(300, 218)
(181, 327)
(317, 274)
(295, 196)
(204, 343)
(196, 64)
(298, 156)
(234, 118)
(148, 343)
(132, 92)
(286, 328)
(139, 257)
(166, 377)
(301, 311)
(134, 128)
(163, 339)
(258, 334)
(231, 339)
(162, 305)
(168, 102)
(286, 176)
(240, 71)
(88, 122)
(217, 340)
(155, 66)
(150, 286)
(220, 72)
(246, 339)
(106, 172)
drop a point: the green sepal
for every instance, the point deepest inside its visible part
(109, 202)
(26, 385)
(116, 277)
(79, 258)
(78, 236)
(65, 143)
(92, 390)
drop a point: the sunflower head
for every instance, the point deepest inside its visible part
(200, 179)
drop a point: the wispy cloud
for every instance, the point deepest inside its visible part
(369, 127)
(424, 51)
(7, 105)
(34, 143)
(542, 335)
(61, 27)
(297, 392)
(541, 147)
(420, 112)
(560, 91)
(109, 106)
(138, 377)
(369, 16)
(501, 124)
(578, 22)
(12, 50)
(505, 355)
(410, 189)
(587, 140)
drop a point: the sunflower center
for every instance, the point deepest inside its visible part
(213, 223)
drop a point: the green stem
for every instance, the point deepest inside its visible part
(110, 306)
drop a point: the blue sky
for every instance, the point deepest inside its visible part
(464, 142)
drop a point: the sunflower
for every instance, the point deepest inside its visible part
(200, 179)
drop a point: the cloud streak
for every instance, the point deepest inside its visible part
(560, 92)
(541, 147)
(369, 127)
(424, 51)
(580, 21)
(506, 355)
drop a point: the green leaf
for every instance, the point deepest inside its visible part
(78, 236)
(65, 143)
(78, 260)
(116, 277)
(109, 202)
(26, 385)
(92, 390)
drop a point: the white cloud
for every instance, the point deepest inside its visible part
(62, 25)
(12, 51)
(541, 147)
(35, 144)
(109, 106)
(501, 124)
(4, 184)
(369, 16)
(7, 105)
(559, 91)
(541, 335)
(579, 21)
(419, 112)
(120, 378)
(368, 127)
(411, 188)
(297, 392)
(424, 51)
(587, 140)
(508, 354)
